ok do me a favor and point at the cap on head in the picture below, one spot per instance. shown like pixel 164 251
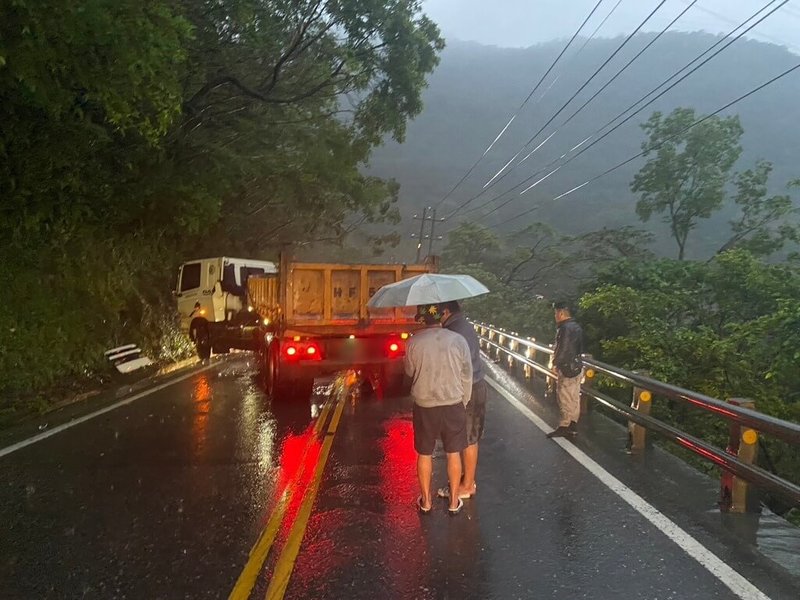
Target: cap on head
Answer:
pixel 428 314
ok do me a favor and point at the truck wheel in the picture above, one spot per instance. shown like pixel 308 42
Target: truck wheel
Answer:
pixel 202 342
pixel 274 383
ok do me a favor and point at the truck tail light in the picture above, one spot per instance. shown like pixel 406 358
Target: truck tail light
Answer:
pixel 395 348
pixel 303 351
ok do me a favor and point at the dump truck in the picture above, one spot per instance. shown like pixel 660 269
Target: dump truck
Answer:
pixel 303 319
pixel 315 321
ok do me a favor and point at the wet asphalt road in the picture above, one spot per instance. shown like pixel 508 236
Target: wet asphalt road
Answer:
pixel 165 497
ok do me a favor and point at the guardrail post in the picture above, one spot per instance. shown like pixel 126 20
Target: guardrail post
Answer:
pixel 512 345
pixel 530 354
pixel 642 403
pixel 588 381
pixel 736 495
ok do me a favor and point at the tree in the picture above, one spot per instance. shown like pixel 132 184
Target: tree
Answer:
pixel 135 134
pixel 687 169
pixel 764 225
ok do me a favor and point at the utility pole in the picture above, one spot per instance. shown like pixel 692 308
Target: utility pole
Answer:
pixel 421 231
pixel 428 216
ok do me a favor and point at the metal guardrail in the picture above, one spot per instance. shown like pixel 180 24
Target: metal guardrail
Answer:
pixel 737 459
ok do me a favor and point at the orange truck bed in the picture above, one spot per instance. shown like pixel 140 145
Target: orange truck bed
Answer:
pixel 330 298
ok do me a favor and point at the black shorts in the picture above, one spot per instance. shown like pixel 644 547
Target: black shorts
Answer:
pixel 476 412
pixel 447 423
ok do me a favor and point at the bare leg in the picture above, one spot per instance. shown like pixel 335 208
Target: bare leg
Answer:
pixel 424 471
pixel 454 476
pixel 470 457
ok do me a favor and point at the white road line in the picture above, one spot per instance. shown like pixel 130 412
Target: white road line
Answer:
pixel 730 578
pixel 58 429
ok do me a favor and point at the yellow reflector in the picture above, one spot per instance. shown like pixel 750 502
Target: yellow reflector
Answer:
pixel 403 336
pixel 750 436
pixel 590 373
pixel 297 338
pixel 645 396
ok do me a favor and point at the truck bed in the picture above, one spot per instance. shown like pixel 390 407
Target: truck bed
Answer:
pixel 331 298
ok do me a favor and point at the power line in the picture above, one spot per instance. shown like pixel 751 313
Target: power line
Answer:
pixel 657 146
pixel 502 173
pixel 635 104
pixel 521 106
pixel 624 43
pixel 671 86
pixel 597 93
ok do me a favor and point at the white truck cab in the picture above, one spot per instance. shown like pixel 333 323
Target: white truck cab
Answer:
pixel 211 297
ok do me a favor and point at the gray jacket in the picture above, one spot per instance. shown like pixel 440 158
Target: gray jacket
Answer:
pixel 439 365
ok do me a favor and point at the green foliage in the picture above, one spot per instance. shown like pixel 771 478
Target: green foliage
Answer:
pixel 687 169
pixel 764 225
pixel 137 134
pixel 728 328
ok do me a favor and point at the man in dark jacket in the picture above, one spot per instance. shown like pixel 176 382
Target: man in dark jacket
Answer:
pixel 567 367
pixel 455 320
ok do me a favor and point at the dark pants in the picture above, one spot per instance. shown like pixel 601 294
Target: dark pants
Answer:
pixel 476 412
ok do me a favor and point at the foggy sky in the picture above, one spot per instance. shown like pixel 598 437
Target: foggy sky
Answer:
pixel 522 23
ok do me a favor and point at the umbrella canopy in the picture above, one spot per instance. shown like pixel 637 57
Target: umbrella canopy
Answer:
pixel 430 288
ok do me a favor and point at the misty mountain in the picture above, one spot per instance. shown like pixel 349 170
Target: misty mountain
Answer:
pixel 476 89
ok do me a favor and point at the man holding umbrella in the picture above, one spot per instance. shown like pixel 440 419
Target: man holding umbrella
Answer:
pixel 439 364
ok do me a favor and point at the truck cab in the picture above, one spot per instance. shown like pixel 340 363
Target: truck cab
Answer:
pixel 211 298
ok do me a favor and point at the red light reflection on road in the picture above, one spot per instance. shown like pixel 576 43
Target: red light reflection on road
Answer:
pixel 407 565
pixel 201 399
pixel 298 460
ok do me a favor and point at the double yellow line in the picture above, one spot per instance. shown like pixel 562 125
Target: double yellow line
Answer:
pixel 285 563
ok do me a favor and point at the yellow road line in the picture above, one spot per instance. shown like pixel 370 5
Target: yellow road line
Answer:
pixel 285 564
pixel 260 551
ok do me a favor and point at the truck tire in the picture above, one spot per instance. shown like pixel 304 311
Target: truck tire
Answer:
pixel 202 342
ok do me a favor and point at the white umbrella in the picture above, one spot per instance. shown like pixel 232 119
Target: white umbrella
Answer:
pixel 430 288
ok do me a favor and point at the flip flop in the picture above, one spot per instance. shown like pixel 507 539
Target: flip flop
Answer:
pixel 421 508
pixel 454 511
pixel 444 492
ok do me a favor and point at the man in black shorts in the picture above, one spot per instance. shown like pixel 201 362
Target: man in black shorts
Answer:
pixel 438 362
pixel 454 320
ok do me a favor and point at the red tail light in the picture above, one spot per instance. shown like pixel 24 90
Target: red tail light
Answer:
pixel 395 348
pixel 303 351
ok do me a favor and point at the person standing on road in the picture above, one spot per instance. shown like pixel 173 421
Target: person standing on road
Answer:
pixel 438 363
pixel 567 367
pixel 455 320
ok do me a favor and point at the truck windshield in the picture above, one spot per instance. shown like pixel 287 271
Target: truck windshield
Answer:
pixel 190 277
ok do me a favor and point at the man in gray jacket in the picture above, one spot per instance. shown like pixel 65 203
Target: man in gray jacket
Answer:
pixel 567 367
pixel 438 363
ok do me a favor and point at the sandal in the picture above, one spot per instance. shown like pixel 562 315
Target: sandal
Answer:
pixel 454 511
pixel 421 508
pixel 444 492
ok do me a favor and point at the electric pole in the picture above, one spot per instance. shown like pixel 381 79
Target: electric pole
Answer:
pixel 428 216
